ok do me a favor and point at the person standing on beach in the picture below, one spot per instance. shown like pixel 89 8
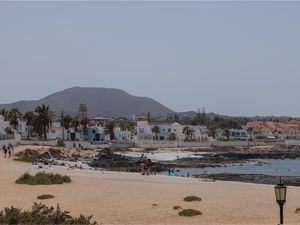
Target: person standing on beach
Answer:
pixel 9 152
pixel 143 168
pixel 11 147
pixel 4 150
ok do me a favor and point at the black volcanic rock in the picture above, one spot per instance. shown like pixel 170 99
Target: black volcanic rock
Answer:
pixel 104 101
pixel 117 162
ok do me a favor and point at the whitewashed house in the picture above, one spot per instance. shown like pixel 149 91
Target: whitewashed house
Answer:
pixel 3 125
pixel 144 131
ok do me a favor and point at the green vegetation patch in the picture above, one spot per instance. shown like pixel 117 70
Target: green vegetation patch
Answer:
pixel 42 178
pixel 42 214
pixel 60 143
pixel 177 207
pixel 45 196
pixel 192 199
pixel 189 212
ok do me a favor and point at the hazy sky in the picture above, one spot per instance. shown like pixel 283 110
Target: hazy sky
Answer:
pixel 238 58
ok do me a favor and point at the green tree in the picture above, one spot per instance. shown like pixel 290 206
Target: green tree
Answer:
pixel 13 116
pixel 75 123
pixel 172 137
pixel 109 129
pixel 44 117
pixel 156 131
pixel 65 123
pixel 126 126
pixel 250 131
pixel 8 130
pixel 192 132
pixel 227 134
pixel 28 117
pixel 85 123
pixel 187 132
pixel 212 131
pixel 4 113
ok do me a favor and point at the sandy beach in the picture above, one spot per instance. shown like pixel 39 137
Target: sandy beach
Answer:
pixel 128 198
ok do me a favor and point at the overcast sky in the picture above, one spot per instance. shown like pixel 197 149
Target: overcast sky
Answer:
pixel 237 58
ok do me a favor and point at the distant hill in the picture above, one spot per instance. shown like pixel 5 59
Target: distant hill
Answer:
pixel 106 102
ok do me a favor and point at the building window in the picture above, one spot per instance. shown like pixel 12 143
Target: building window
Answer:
pixel 169 130
pixel 141 130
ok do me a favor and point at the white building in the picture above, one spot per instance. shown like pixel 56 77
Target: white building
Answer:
pixel 3 124
pixel 144 131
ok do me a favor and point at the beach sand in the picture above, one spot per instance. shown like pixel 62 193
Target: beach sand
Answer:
pixel 127 198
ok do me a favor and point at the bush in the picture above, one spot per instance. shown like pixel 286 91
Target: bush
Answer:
pixel 177 207
pixel 60 143
pixel 42 178
pixel 41 214
pixel 189 212
pixel 45 196
pixel 9 130
pixel 297 210
pixel 192 199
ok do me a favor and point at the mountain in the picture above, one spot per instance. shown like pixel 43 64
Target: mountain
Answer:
pixel 107 102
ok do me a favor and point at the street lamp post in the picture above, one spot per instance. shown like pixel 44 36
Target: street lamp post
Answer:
pixel 280 193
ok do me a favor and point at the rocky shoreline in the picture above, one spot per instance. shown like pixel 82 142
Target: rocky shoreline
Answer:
pixel 108 160
pixel 252 178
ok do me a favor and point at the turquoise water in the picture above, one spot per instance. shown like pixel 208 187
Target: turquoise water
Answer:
pixel 275 167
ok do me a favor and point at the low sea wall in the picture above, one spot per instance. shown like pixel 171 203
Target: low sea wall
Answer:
pixel 177 144
pixel 157 144
pixel 6 142
pixel 68 144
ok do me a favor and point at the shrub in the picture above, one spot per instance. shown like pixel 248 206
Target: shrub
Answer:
pixel 177 207
pixel 189 212
pixel 42 178
pixel 192 199
pixel 9 130
pixel 41 214
pixel 45 196
pixel 60 143
pixel 297 210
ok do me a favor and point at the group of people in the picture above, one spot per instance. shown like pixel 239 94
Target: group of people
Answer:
pixel 8 150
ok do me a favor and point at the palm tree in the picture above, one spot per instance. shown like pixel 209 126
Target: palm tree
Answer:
pixel 126 126
pixel 192 131
pixel 75 123
pixel 212 131
pixel 66 123
pixel 13 116
pixel 109 129
pixel 250 131
pixel 4 113
pixel 187 132
pixel 227 133
pixel 44 116
pixel 28 117
pixel 156 130
pixel 85 123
